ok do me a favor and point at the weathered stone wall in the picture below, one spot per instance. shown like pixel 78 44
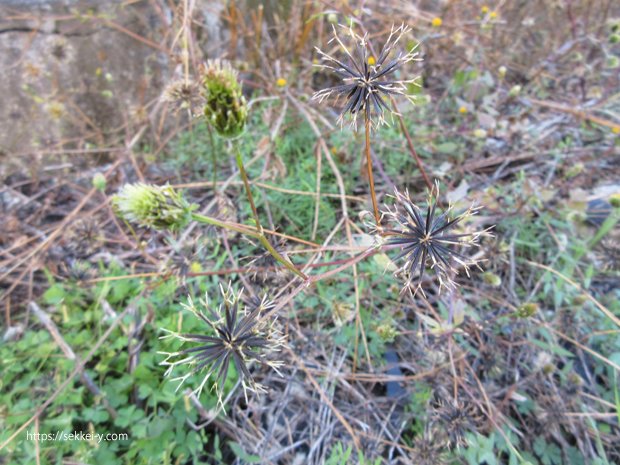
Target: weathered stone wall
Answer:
pixel 75 71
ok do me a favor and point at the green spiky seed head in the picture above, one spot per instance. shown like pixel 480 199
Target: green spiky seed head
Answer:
pixel 387 332
pixel 492 279
pixel 99 182
pixel 157 207
pixel 225 106
pixel 527 310
pixel 614 200
pixel 580 299
pixel 612 62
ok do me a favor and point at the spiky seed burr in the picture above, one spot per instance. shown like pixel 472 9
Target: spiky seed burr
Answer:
pixel 367 82
pixel 236 333
pixel 429 239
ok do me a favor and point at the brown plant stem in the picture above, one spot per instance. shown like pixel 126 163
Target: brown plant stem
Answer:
pixel 412 149
pixel 371 179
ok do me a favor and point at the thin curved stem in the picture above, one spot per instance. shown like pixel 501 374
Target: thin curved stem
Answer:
pixel 213 156
pixel 412 149
pixel 221 224
pixel 248 190
pixel 260 233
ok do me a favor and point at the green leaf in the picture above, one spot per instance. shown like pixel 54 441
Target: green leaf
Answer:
pixel 243 455
pixel 447 147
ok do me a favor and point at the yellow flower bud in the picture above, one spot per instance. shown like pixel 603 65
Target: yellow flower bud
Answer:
pixel 195 267
pixel 436 22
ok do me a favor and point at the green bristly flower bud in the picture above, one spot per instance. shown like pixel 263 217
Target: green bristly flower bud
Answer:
pixel 527 310
pixel 99 182
pixel 492 279
pixel 225 107
pixel 157 207
pixel 387 332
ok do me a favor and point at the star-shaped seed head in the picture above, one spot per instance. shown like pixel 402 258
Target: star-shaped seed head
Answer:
pixel 429 238
pixel 235 333
pixel 368 83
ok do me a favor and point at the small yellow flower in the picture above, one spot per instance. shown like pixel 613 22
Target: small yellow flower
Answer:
pixel 371 60
pixel 281 82
pixel 484 9
pixel 463 110
pixel 493 15
pixel 436 22
pixel 616 129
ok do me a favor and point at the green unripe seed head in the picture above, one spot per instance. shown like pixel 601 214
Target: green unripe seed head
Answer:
pixel 157 207
pixel 99 182
pixel 225 106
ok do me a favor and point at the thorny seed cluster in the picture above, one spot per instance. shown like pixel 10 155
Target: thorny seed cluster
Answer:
pixel 237 334
pixel 367 82
pixel 429 239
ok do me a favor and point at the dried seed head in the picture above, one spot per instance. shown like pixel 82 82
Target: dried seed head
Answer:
pixel 367 82
pixel 225 106
pixel 428 449
pixel 429 239
pixel 457 419
pixel 183 95
pixel 60 49
pixel 237 333
pixel 264 268
pixel 157 207
pixel 83 238
pixel 79 270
